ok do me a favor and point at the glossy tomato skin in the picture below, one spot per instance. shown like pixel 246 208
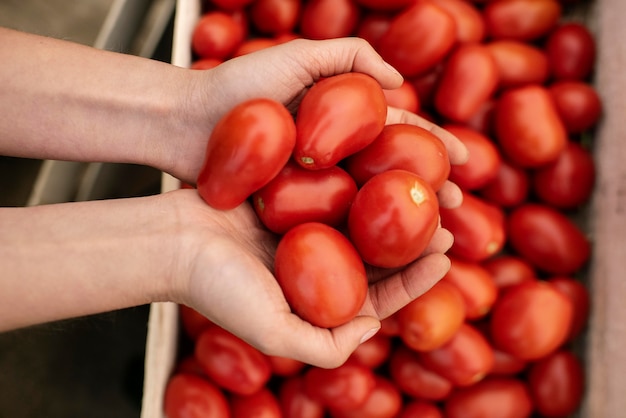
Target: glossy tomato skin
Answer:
pixel 475 284
pixel 469 79
pixel 432 319
pixel 548 239
pixel 580 297
pixel 508 270
pixel 275 16
pixel 470 26
pixel 384 401
pixel 230 362
pixel 510 186
pixel 404 97
pixel 519 63
pixel 523 20
pixel 402 146
pixel 294 401
pixel 337 117
pixel 327 19
pixel 190 396
pixel 478 228
pixel 528 127
pixel 568 182
pixel 216 35
pixel 578 104
pixel 393 218
pixel 247 148
pixel 531 320
pixel 491 398
pixel 423 24
pixel 262 403
pixel 297 195
pixel 321 274
pixel 557 384
pixel 285 366
pixel 571 50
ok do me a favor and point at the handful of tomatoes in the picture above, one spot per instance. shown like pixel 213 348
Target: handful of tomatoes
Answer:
pixel 512 79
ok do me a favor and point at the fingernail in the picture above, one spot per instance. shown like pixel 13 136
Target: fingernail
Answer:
pixel 369 334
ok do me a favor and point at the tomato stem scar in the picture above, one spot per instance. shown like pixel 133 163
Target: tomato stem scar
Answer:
pixel 307 160
pixel 260 204
pixel 417 194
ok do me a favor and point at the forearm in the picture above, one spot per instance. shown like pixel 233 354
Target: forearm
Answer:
pixel 74 259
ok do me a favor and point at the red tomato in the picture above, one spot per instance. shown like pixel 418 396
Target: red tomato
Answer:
pixel 484 159
pixel 478 228
pixel 385 401
pixel 190 365
pixel 568 182
pixel 426 85
pixel 528 126
pixel 192 321
pixel 247 148
pixel 430 320
pixel 482 120
pixel 205 63
pixel 508 270
pixel 469 79
pixel 420 409
pixel 402 146
pixel 372 26
pixel 506 364
pixel 230 362
pixel 384 4
pixel 294 401
pixel 412 378
pixel 523 20
pixel 464 360
pixel 275 16
pixel 190 396
pixel 216 35
pixel 490 398
pixel 548 239
pixel 519 63
pixel 343 388
pixel 254 44
pixel 404 97
pixel 389 326
pixel 557 384
pixel 262 404
pixel 581 300
pixel 578 104
pixel 373 352
pixel 285 366
pixel 510 186
pixel 297 195
pixel 321 274
pixel 470 26
pixel 571 50
pixel 326 19
pixel 393 218
pixel 475 285
pixel 337 117
pixel 424 24
pixel 531 320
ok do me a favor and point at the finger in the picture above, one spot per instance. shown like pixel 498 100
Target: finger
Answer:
pixel 440 243
pixel 450 195
pixel 457 152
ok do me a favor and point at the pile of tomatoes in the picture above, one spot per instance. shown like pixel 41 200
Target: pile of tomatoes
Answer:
pixel 496 336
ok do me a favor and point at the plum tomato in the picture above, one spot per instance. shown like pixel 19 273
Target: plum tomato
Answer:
pixel 475 284
pixel 519 63
pixel 327 19
pixel 216 35
pixel 577 103
pixel 402 146
pixel 506 364
pixel 337 117
pixel 297 195
pixel 531 320
pixel 430 320
pixel 470 26
pixel 262 403
pixel 373 352
pixel 191 396
pixel 422 23
pixel 285 366
pixel 247 148
pixel 420 408
pixel 295 402
pixel 547 238
pixel 509 188
pixel 571 50
pixel 275 17
pixel 404 97
pixel 192 321
pixel 384 401
pixel 372 26
pixel 508 270
pixel 230 362
pixel 522 20
pixel 580 297
pixel 321 274
pixel 393 218
pixel 528 127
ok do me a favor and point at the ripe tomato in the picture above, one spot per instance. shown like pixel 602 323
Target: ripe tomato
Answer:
pixel 478 228
pixel 297 195
pixel 337 117
pixel 426 85
pixel 373 352
pixel 393 218
pixel 464 360
pixel 581 300
pixel 577 103
pixel 568 182
pixel 192 321
pixel 205 64
pixel 470 26
pixel 321 274
pixel 571 50
pixel 431 319
pixel 557 384
pixel 484 159
pixel 343 388
pixel 275 16
pixel 470 77
pixel 490 398
pixel 412 378
pixel 508 270
pixel 295 403
pixel 519 63
pixel 191 396
pixel 384 401
pixel 404 97
pixel 528 126
pixel 386 5
pixel 402 146
pixel 422 409
pixel 531 320
pixel 523 20
pixel 326 19
pixel 424 24
pixel 254 44
pixel 247 148
pixel 230 362
pixel 510 186
pixel 475 284
pixel 216 35
pixel 285 366
pixel 372 26
pixel 262 403
pixel 506 364
pixel 548 239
